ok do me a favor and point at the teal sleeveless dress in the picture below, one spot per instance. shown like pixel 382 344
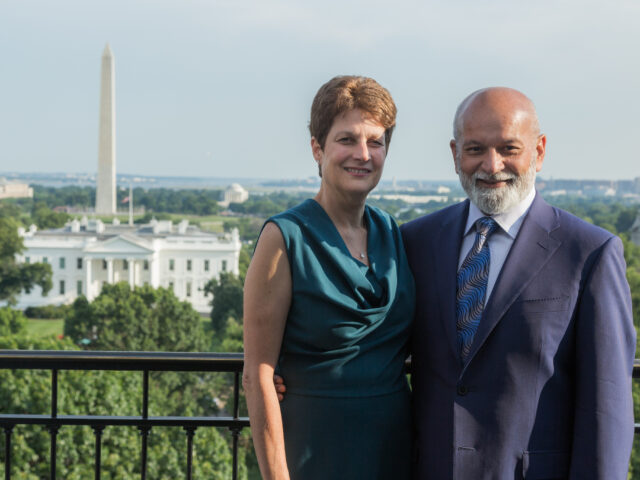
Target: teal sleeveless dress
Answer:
pixel 346 413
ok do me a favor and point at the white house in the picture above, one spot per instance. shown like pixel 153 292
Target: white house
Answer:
pixel 86 254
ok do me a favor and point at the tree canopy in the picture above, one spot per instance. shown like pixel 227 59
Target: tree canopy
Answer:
pixel 143 318
pixel 15 276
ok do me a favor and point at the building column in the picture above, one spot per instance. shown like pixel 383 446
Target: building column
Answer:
pixel 154 268
pixel 137 273
pixel 132 277
pixel 109 270
pixel 87 278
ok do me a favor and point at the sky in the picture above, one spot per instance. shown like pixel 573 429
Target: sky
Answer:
pixel 223 88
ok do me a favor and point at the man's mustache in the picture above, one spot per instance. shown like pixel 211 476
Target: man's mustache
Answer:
pixel 496 177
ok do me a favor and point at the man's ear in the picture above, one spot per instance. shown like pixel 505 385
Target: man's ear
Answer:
pixel 454 152
pixel 541 148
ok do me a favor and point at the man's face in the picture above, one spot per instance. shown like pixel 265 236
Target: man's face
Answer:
pixel 498 153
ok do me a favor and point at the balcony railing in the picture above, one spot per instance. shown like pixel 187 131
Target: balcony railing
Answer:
pixel 143 362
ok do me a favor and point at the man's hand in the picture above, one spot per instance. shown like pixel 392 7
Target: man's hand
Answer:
pixel 281 388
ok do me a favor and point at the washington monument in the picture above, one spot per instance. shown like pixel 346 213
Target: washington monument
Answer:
pixel 106 180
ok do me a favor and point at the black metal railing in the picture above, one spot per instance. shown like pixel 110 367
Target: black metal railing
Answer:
pixel 143 362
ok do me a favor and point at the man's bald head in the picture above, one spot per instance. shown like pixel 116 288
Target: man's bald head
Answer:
pixel 496 99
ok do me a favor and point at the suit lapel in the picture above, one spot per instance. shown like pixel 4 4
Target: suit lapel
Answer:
pixel 447 252
pixel 531 250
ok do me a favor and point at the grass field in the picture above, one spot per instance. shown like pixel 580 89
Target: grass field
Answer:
pixel 40 328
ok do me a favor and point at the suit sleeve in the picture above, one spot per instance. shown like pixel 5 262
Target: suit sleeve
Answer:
pixel 605 350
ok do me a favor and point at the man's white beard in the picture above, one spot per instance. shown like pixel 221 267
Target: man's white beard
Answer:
pixel 498 200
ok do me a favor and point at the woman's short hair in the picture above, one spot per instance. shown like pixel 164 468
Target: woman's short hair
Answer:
pixel 348 92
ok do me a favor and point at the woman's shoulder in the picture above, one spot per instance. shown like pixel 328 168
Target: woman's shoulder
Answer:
pixel 299 215
pixel 295 219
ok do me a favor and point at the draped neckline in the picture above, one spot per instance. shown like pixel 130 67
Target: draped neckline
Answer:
pixel 340 241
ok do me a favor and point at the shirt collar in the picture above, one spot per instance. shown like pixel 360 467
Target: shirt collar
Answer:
pixel 509 221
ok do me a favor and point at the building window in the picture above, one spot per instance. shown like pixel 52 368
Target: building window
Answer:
pixel 61 287
pixel 62 263
pixel 188 265
pixel 172 264
pixel 104 264
pixel 125 264
pixel 206 265
pixel 45 260
pixel 27 260
pixel 79 263
pixel 224 265
pixel 171 286
pixel 188 289
pixel 146 265
pixel 79 287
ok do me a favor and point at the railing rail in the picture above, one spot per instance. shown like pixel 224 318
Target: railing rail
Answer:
pixel 143 362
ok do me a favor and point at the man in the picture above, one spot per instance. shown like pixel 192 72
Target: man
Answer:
pixel 523 343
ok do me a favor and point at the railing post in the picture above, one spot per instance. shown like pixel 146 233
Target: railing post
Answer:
pixel 53 431
pixel 190 433
pixel 97 430
pixel 144 433
pixel 144 430
pixel 54 393
pixel 235 431
pixel 7 451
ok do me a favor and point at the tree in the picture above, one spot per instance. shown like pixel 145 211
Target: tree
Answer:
pixel 14 276
pixel 227 294
pixel 12 322
pixel 44 217
pixel 140 319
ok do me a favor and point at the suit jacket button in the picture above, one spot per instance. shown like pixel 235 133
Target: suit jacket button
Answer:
pixel 462 390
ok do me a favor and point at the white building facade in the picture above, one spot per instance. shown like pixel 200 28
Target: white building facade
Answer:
pixel 14 189
pixel 84 255
pixel 235 194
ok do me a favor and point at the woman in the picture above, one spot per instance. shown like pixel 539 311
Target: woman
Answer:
pixel 328 304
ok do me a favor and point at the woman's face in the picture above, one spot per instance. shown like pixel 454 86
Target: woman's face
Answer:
pixel 353 154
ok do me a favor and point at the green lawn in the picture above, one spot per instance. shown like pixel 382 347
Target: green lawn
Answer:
pixel 43 327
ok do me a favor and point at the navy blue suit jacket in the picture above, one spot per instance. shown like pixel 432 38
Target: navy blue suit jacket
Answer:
pixel 545 392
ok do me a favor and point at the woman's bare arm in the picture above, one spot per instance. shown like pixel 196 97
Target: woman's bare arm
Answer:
pixel 267 297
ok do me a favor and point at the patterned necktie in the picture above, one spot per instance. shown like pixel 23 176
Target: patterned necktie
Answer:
pixel 471 285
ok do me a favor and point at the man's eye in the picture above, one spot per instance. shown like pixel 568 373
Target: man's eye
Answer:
pixel 511 149
pixel 473 150
pixel 377 143
pixel 344 140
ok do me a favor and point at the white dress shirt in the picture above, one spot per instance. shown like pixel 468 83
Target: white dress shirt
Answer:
pixel 501 239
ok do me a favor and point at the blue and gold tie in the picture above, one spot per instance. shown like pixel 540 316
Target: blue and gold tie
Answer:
pixel 471 285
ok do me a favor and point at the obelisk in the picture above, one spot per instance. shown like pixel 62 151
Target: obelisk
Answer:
pixel 106 180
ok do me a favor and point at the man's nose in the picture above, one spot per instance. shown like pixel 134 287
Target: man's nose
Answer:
pixel 492 163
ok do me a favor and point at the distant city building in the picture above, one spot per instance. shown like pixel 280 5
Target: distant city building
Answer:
pixel 14 189
pixel 86 254
pixel 235 194
pixel 106 178
pixel 634 231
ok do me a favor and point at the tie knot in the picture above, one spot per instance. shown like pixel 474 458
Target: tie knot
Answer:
pixel 486 226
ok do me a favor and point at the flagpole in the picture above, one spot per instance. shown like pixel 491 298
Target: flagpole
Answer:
pixel 130 205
